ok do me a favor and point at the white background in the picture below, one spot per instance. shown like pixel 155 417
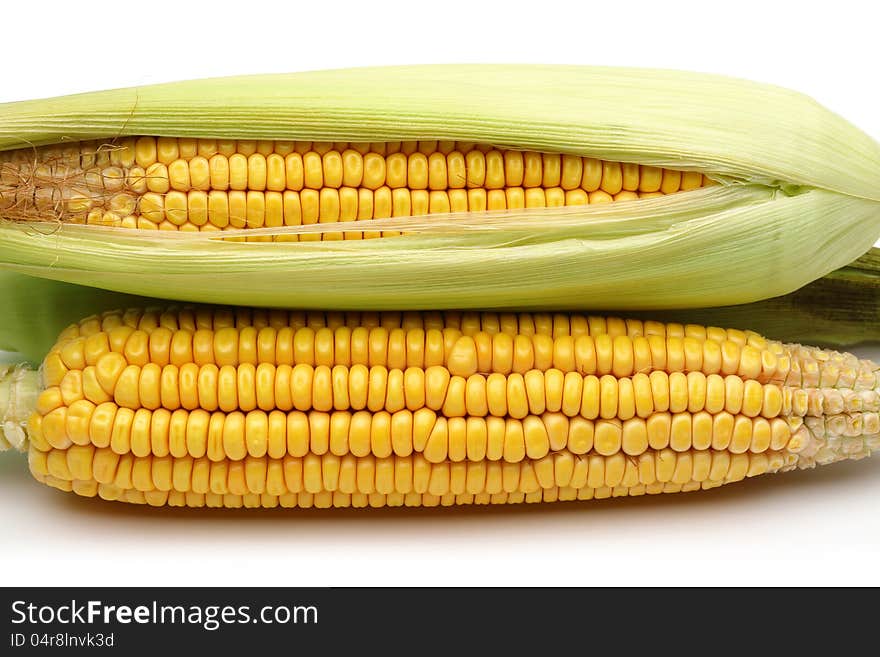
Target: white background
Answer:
pixel 817 527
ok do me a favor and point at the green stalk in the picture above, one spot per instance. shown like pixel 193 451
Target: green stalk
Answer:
pixel 838 310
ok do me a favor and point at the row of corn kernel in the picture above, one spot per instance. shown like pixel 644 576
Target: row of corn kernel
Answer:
pixel 337 499
pixel 399 349
pixel 836 448
pixel 146 150
pixel 847 425
pixel 268 165
pixel 819 368
pixel 398 474
pixel 304 387
pixel 469 323
pixel 199 210
pixel 152 168
pixel 237 435
pixel 818 402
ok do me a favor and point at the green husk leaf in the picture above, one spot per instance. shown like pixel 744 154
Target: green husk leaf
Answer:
pixel 36 310
pixel 839 310
pixel 726 245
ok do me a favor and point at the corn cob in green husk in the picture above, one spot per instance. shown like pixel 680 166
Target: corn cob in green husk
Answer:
pixel 469 187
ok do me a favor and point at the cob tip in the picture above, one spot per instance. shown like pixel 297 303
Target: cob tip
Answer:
pixel 19 386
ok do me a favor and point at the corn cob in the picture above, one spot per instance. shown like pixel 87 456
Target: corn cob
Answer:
pixel 475 183
pixel 239 407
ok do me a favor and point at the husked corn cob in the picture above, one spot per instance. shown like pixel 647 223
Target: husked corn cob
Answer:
pixel 208 184
pixel 220 407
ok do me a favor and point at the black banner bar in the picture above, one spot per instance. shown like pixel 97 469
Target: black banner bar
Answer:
pixel 417 621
